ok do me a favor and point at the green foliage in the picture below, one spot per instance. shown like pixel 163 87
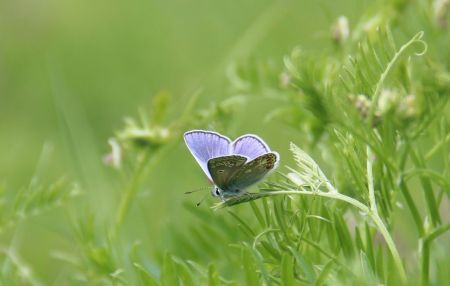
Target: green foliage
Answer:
pixel 361 197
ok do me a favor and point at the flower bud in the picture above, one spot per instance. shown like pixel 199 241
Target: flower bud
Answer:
pixel 441 8
pixel 340 30
pixel 285 80
pixel 387 101
pixel 362 104
pixel 114 158
pixel 407 107
pixel 152 136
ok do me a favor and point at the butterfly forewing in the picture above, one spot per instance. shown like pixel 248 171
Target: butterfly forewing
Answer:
pixel 205 145
pixel 253 172
pixel 223 168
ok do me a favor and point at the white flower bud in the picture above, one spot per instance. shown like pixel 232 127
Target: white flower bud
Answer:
pixel 362 104
pixel 441 8
pixel 114 158
pixel 388 100
pixel 341 30
pixel 407 106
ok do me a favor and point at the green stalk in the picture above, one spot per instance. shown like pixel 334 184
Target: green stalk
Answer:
pixel 427 187
pixel 133 187
pixel 148 161
pixel 372 200
pixel 433 175
pixel 331 195
pixel 412 207
pixel 407 195
pixel 425 251
pixel 391 245
pixel 378 221
pixel 437 147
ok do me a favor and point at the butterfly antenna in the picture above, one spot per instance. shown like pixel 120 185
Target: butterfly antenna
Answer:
pixel 201 201
pixel 197 190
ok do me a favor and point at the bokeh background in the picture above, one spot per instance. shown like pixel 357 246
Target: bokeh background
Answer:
pixel 70 71
pixel 103 59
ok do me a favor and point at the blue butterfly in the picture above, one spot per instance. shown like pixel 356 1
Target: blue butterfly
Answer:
pixel 231 166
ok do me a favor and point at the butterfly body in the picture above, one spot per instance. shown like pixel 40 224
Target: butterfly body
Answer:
pixel 231 166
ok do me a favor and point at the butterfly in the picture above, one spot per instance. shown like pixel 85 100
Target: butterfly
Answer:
pixel 232 166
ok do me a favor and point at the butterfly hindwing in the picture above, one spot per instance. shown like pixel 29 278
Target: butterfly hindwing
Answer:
pixel 223 168
pixel 253 172
pixel 250 146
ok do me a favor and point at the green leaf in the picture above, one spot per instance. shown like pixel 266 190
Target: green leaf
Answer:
pixel 381 266
pixel 344 235
pixel 169 275
pixel 260 263
pixel 258 214
pixel 145 277
pixel 213 276
pixel 305 265
pixel 266 211
pixel 326 270
pixel 369 247
pixel 271 250
pixel 160 103
pixel 184 273
pixel 427 187
pixel 251 275
pixel 279 216
pixel 358 240
pixel 367 269
pixel 287 270
pixel 243 224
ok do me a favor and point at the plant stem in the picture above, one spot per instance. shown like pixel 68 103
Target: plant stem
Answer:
pixel 437 147
pixel 372 200
pixel 148 161
pixel 430 199
pixel 378 221
pixel 412 207
pixel 425 251
pixel 130 192
pixel 391 245
pixel 433 175
pixel 332 195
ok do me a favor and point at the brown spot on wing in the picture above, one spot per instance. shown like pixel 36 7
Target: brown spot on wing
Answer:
pixel 270 161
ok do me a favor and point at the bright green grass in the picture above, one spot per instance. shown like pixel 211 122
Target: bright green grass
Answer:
pixel 361 196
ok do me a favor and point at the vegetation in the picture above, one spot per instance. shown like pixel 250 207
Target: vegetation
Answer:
pixel 361 196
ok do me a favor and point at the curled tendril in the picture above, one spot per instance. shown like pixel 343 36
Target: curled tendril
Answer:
pixel 418 39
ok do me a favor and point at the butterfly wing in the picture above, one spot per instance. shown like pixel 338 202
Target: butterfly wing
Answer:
pixel 254 171
pixel 205 145
pixel 250 146
pixel 223 168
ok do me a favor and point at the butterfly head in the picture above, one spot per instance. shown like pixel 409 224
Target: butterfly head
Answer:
pixel 216 192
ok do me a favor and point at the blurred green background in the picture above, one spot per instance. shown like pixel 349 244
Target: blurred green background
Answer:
pixel 105 58
pixel 70 71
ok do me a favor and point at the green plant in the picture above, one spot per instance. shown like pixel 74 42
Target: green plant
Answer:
pixel 361 196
